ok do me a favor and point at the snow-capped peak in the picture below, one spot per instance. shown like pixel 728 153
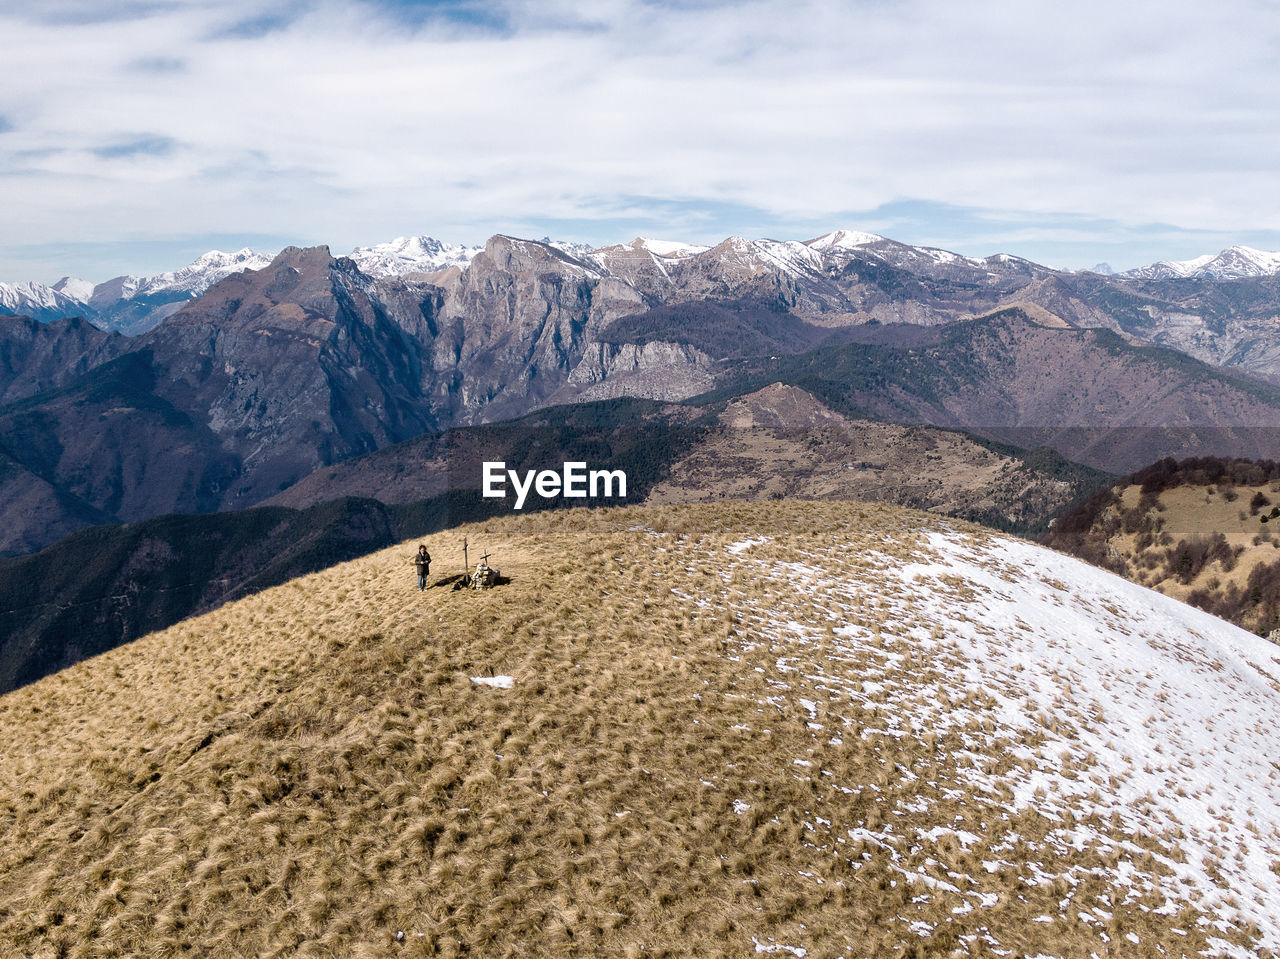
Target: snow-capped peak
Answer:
pixel 412 254
pixel 1240 261
pixel 75 288
pixel 35 299
pixel 1233 263
pixel 197 276
pixel 671 249
pixel 842 240
pixel 1169 268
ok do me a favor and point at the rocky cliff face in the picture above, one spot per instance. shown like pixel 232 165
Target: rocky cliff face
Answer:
pixel 1231 322
pixel 515 323
pixel 294 366
pixel 35 356
pixel 655 370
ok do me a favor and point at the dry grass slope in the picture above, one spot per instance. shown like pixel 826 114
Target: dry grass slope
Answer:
pixel 1209 542
pixel 312 772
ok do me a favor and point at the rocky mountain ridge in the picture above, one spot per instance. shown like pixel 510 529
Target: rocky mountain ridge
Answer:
pixel 1233 263
pixel 1220 308
pixel 275 373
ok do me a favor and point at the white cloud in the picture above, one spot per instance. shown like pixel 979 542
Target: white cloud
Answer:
pixel 347 123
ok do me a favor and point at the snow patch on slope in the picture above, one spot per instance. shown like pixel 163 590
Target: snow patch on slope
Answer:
pixel 1141 726
pixel 788 256
pixel 1180 706
pixel 497 682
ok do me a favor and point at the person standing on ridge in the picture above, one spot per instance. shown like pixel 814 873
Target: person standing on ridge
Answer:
pixel 423 562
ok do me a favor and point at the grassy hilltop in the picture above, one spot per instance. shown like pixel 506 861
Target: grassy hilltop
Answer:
pixel 845 729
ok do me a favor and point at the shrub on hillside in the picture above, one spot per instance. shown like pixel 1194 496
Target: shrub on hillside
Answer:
pixel 1185 561
pixel 1169 473
pixel 1256 606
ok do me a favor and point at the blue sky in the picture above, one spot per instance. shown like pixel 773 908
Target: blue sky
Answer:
pixel 136 135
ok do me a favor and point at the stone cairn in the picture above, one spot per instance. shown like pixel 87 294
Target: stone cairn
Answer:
pixel 484 576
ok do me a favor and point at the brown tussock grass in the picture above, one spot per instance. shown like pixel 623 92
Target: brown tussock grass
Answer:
pixel 311 771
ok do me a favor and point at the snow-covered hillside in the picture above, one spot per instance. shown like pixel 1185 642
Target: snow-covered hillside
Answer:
pixel 1138 726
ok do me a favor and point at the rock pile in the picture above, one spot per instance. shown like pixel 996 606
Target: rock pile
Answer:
pixel 484 576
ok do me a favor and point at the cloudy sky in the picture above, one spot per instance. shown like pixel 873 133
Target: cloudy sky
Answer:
pixel 138 133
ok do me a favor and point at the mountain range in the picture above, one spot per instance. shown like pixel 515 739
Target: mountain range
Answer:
pixel 271 375
pixel 127 304
pixel 1196 316
pixel 133 305
pixel 1233 263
